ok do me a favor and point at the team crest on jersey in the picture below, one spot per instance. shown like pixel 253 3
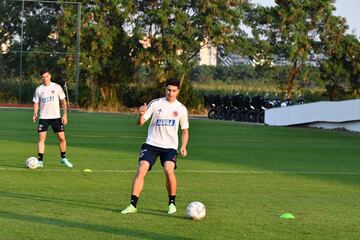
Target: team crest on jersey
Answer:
pixel 165 122
pixel 175 114
pixel 52 91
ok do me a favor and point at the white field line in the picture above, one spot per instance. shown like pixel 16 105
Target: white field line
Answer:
pixel 186 171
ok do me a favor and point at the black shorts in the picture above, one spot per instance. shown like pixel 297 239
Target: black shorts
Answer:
pixel 56 125
pixel 150 153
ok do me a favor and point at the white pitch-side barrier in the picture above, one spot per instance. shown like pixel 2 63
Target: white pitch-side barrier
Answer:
pixel 329 115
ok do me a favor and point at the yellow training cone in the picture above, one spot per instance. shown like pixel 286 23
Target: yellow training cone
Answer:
pixel 287 215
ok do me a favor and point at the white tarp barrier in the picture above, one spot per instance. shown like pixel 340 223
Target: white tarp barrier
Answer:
pixel 329 112
pixel 351 126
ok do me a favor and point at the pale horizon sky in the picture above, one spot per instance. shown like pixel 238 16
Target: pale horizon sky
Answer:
pixel 349 9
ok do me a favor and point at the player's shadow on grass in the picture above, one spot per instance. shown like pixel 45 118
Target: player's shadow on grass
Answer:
pixel 61 223
pixel 162 213
pixel 53 200
pixel 16 165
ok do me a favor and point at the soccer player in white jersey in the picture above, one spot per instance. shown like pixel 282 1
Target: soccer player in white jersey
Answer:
pixel 162 140
pixel 47 97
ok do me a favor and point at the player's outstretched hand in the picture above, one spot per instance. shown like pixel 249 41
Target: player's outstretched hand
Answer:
pixel 143 109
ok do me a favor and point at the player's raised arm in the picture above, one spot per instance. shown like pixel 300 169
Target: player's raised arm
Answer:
pixel 142 111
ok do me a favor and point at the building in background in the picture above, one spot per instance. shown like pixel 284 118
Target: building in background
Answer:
pixel 208 55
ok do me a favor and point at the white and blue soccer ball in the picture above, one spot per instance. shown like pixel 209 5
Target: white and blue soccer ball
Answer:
pixel 31 162
pixel 196 210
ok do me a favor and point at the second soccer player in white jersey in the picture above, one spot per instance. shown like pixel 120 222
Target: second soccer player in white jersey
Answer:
pixel 166 114
pixel 47 98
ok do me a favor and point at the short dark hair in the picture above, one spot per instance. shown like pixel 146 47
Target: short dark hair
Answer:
pixel 43 71
pixel 173 82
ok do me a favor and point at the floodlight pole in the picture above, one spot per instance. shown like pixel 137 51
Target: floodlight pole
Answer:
pixel 21 49
pixel 67 95
pixel 77 55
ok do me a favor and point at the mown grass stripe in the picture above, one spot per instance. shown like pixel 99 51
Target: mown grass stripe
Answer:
pixel 187 171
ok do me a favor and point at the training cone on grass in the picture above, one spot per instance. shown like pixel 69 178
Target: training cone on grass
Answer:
pixel 87 170
pixel 287 215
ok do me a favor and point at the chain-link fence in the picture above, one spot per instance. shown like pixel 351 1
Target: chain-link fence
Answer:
pixel 33 37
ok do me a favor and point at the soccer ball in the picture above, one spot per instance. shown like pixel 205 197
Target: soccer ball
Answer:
pixel 196 210
pixel 32 162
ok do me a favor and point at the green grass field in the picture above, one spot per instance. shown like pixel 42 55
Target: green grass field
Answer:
pixel 246 175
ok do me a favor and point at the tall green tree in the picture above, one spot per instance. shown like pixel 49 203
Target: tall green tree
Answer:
pixel 25 30
pixel 105 52
pixel 340 68
pixel 289 30
pixel 27 27
pixel 172 33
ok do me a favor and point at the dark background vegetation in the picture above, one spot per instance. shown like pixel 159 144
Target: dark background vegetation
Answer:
pixel 129 48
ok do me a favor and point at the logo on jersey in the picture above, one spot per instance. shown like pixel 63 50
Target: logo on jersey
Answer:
pixel 165 122
pixel 52 91
pixel 159 111
pixel 47 99
pixel 142 153
pixel 175 114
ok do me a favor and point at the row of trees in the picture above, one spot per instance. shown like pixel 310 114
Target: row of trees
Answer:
pixel 128 47
pixel 296 29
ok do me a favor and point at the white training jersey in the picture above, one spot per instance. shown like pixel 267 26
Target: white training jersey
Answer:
pixel 164 125
pixel 49 98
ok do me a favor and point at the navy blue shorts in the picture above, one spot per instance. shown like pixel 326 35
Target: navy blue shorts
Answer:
pixel 150 153
pixel 56 125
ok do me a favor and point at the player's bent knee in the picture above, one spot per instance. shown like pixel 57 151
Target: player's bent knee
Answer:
pixel 169 171
pixel 143 166
pixel 61 138
pixel 169 166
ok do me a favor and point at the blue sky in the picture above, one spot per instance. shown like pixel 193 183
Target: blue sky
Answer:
pixel 345 8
